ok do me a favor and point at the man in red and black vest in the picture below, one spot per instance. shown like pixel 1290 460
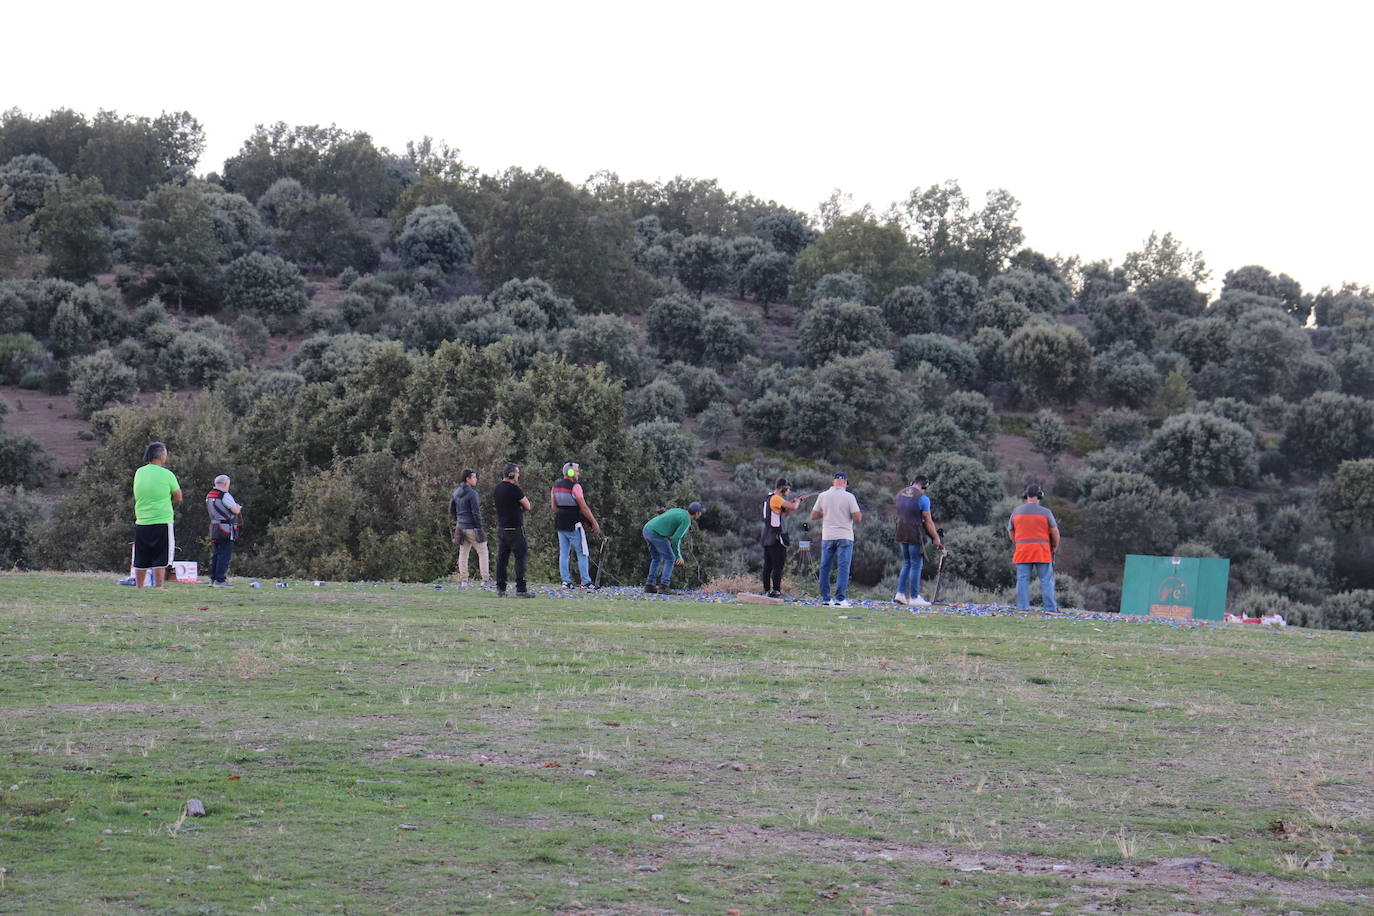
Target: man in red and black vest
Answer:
pixel 224 529
pixel 1035 533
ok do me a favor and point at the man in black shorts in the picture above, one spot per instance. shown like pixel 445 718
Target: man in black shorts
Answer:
pixel 511 506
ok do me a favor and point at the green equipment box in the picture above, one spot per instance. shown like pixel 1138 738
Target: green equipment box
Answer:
pixel 1185 588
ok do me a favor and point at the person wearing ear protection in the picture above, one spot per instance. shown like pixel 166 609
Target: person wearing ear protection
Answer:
pixel 570 510
pixel 1034 534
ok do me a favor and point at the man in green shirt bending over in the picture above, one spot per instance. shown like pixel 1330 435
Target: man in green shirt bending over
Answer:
pixel 664 534
pixel 155 490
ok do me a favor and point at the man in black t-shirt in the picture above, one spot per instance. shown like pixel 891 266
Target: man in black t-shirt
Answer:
pixel 511 506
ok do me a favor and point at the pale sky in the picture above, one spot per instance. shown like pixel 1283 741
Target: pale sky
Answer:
pixel 1243 128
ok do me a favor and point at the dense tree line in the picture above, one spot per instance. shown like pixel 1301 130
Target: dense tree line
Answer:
pixel 438 317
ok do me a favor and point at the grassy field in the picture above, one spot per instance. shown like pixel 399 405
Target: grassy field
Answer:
pixel 411 750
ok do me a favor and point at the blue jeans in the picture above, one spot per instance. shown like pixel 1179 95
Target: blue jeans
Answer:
pixel 660 557
pixel 572 541
pixel 838 552
pixel 909 579
pixel 1045 571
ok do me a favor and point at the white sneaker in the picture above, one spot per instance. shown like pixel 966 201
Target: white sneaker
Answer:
pixel 918 601
pixel 899 598
pixel 844 603
pixel 829 602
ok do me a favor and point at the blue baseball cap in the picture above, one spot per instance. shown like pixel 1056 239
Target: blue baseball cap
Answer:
pixel 841 475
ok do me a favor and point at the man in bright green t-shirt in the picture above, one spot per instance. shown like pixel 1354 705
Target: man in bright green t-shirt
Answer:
pixel 155 491
pixel 663 534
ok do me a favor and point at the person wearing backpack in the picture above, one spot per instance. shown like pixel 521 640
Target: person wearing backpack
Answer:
pixel 914 524
pixel 776 507
pixel 225 515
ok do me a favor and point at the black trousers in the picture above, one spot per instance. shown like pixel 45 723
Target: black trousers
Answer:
pixel 774 559
pixel 511 541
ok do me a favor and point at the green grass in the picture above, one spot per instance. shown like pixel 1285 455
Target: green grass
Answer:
pixel 402 749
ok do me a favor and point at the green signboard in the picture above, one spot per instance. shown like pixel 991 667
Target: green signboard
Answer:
pixel 1185 588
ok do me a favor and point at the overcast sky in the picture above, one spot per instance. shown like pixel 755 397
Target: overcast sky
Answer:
pixel 1243 128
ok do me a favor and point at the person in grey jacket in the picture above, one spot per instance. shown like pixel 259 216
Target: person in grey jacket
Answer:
pixel 465 508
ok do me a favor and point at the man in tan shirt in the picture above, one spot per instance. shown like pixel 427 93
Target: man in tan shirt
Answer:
pixel 838 511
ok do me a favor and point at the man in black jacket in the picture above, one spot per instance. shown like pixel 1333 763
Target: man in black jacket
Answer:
pixel 465 508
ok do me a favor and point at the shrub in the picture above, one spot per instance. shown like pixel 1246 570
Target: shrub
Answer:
pixel 1120 427
pixel 702 262
pixel 658 400
pixel 674 324
pixel 22 461
pixel 726 337
pixel 1174 294
pixel 1121 513
pixel 1327 428
pixel 869 384
pixel 717 421
pixel 28 177
pixel 908 310
pixel 1204 341
pixel 100 380
pixel 991 346
pixel 325 232
pixel 766 277
pixel 435 237
pixel 972 413
pixel 672 449
pixel 1050 363
pixel 17 352
pixel 612 341
pixel 818 416
pixel 1125 377
pixel 980 555
pixel 957 360
pixel 283 196
pixel 1347 498
pixel 701 385
pixel 962 488
pixel 1196 451
pixel 241 389
pixel 952 295
pixel 21 514
pixel 845 286
pixel 264 284
pixel 1114 459
pixel 1123 318
pixel 767 416
pixel 1001 312
pixel 1050 436
pixel 1036 291
pixel 1352 610
pixel 832 327
pixel 928 435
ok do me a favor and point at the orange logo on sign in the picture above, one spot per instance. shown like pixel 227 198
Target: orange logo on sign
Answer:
pixel 1172 590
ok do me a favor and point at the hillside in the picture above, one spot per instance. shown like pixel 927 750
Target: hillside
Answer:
pixel 343 326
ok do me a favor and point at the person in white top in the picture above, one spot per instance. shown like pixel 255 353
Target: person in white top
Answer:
pixel 838 511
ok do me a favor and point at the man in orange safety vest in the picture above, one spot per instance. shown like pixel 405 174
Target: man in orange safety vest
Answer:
pixel 1035 534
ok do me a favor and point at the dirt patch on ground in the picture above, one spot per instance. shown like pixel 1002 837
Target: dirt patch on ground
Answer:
pixel 84 709
pixel 1094 885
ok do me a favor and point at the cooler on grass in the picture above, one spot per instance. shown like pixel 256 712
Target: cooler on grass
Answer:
pixel 1184 588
